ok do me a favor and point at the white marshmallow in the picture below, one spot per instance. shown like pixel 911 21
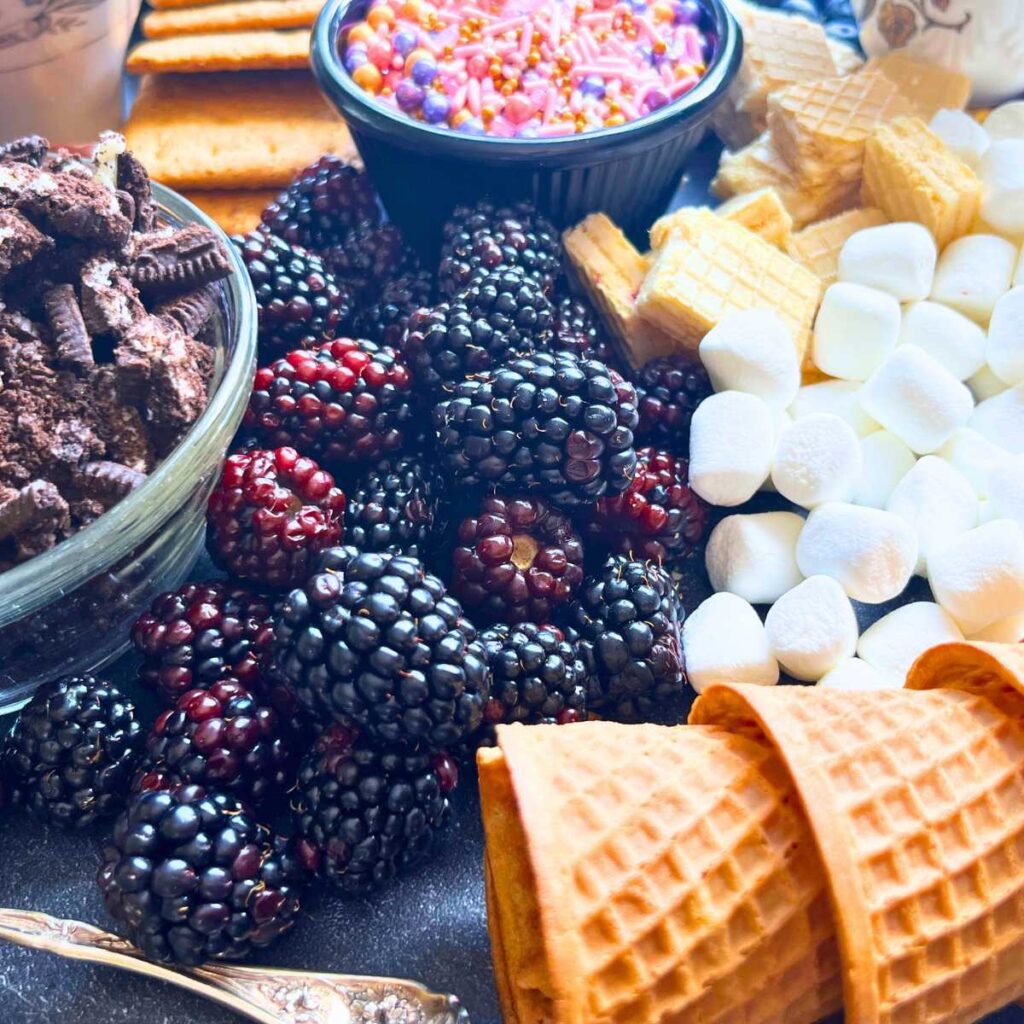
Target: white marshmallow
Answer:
pixel 1001 171
pixel 914 397
pixel 754 556
pixel 1001 419
pixel 1018 274
pixel 724 642
pixel 974 455
pixel 1006 631
pixel 985 384
pixel 841 397
pixel 1005 350
pixel 782 420
pixel 973 273
pixel 979 577
pixel 732 439
pixel 817 459
pixel 961 134
pixel 856 329
pixel 1006 489
pixel 1006 121
pixel 895 258
pixel 896 640
pixel 854 674
pixel 753 351
pixel 872 553
pixel 938 502
pixel 985 512
pixel 812 628
pixel 953 341
pixel 885 461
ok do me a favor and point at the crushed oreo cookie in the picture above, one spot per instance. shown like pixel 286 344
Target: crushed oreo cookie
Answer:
pixel 178 260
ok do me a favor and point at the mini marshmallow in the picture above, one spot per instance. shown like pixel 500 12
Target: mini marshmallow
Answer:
pixel 895 258
pixel 841 397
pixel 979 577
pixel 854 674
pixel 974 455
pixel 885 461
pixel 1018 274
pixel 782 420
pixel 812 628
pixel 724 642
pixel 817 459
pixel 1006 121
pixel 856 329
pixel 1005 350
pixel 1006 489
pixel 732 440
pixel 961 134
pixel 1001 419
pixel 1006 631
pixel 985 384
pixel 753 351
pixel 973 273
pixel 954 342
pixel 895 641
pixel 754 556
pixel 1001 171
pixel 914 397
pixel 938 502
pixel 871 552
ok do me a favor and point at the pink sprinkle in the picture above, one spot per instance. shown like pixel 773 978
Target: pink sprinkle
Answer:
pixel 526 40
pixel 555 25
pixel 498 28
pixel 459 98
pixel 468 50
pixel 683 85
pixel 556 130
pixel 551 104
pixel 473 96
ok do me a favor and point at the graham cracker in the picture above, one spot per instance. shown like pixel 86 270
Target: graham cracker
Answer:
pixel 231 17
pixel 233 131
pixel 236 212
pixel 222 51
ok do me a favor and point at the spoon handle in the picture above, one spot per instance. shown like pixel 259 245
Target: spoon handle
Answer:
pixel 268 995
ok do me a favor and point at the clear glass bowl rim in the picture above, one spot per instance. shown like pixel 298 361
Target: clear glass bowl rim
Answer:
pixel 104 543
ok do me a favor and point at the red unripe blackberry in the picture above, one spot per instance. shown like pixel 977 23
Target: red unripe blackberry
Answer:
pixel 347 401
pixel 271 514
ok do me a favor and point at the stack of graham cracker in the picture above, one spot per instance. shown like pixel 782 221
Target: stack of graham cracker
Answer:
pixel 228 111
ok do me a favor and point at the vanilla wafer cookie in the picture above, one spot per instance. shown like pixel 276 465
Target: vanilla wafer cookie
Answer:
pixel 818 245
pixel 762 212
pixel 222 51
pixel 238 16
pixel 928 87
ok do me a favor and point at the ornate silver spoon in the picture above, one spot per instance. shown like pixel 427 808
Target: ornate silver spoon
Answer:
pixel 266 994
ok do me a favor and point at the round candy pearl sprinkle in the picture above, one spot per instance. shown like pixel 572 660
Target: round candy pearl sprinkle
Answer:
pixel 530 69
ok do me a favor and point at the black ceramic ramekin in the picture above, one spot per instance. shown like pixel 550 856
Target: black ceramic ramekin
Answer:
pixel 422 171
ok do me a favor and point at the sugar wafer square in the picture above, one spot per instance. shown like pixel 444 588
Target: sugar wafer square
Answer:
pixel 817 246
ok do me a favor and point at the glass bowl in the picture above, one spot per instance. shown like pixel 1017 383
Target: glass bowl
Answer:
pixel 69 610
pixel 422 171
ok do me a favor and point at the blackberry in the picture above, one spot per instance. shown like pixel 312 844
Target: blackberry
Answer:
pixel 362 814
pixel 670 389
pixel 347 401
pixel 224 738
pixel 371 254
pixel 385 320
pixel 479 239
pixel 201 634
pixel 628 620
pixel 301 305
pixel 499 314
pixel 551 422
pixel 72 752
pixel 190 876
pixel 392 508
pixel 271 513
pixel 378 642
pixel 537 676
pixel 576 330
pixel 657 517
pixel 322 205
pixel 517 559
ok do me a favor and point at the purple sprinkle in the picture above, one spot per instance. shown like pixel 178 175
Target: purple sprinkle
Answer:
pixel 355 59
pixel 593 85
pixel 409 95
pixel 404 42
pixel 435 107
pixel 424 71
pixel 655 98
pixel 472 126
pixel 688 12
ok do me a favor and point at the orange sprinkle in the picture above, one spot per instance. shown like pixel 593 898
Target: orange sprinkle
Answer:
pixel 361 33
pixel 367 77
pixel 614 121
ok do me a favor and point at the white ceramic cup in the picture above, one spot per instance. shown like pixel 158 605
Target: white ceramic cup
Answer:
pixel 982 38
pixel 61 66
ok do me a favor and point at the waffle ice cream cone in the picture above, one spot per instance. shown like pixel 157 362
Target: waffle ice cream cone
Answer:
pixel 818 246
pixel 916 800
pixel 646 874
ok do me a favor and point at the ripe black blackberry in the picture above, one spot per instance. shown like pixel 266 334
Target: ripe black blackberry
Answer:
pixel 322 205
pixel 371 254
pixel 385 320
pixel 392 508
pixel 377 641
pixel 225 739
pixel 301 304
pixel 628 618
pixel 670 389
pixel 479 239
pixel 500 313
pixel 576 330
pixel 72 752
pixel 363 814
pixel 346 401
pixel 537 675
pixel 549 421
pixel 190 876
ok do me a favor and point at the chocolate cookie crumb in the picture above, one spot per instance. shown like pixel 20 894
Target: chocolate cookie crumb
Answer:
pixel 36 506
pixel 31 149
pixel 133 179
pixel 107 482
pixel 179 261
pixel 110 302
pixel 72 341
pixel 191 311
pixel 20 241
